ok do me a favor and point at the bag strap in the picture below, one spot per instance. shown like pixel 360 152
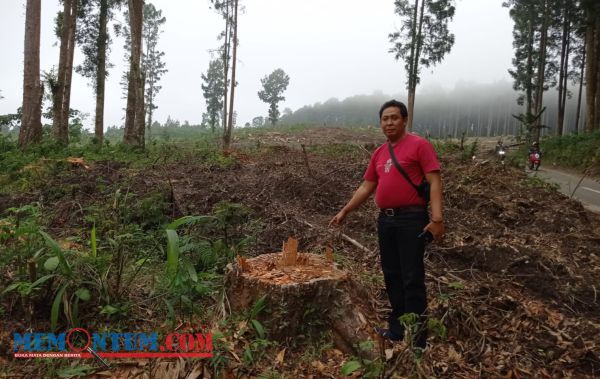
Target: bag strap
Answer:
pixel 400 168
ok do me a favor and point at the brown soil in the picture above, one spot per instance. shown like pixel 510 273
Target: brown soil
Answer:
pixel 515 281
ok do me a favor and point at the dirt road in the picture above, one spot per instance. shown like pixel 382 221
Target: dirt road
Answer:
pixel 588 191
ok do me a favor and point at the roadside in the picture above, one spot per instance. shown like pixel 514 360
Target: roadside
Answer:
pixel 586 190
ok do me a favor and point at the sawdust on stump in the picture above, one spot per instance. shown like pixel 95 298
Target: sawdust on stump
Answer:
pixel 305 293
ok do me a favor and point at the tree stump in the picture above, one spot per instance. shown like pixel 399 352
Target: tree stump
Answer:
pixel 305 293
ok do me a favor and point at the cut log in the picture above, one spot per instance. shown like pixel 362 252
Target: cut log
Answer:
pixel 305 294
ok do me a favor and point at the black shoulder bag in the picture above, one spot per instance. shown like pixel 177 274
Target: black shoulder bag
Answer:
pixel 422 189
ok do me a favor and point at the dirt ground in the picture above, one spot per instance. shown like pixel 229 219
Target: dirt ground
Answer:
pixel 515 281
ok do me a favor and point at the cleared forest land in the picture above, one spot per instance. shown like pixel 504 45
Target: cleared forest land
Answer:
pixel 514 283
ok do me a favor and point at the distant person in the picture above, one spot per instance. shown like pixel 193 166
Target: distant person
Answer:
pixel 499 147
pixel 535 149
pixel 403 217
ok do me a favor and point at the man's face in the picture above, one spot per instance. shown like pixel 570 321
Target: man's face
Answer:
pixel 393 124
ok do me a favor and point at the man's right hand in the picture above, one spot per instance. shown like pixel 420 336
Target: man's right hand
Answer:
pixel 338 218
pixel 362 193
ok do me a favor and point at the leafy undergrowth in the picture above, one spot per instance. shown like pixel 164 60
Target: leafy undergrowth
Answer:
pixel 575 151
pixel 514 283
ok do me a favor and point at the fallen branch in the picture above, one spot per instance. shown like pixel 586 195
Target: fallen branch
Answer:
pixel 344 237
pixel 355 243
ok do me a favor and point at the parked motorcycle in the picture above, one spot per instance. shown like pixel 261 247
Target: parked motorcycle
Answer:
pixel 534 160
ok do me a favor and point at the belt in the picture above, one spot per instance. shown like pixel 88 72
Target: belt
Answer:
pixel 391 212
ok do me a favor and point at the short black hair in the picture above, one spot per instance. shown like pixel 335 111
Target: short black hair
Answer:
pixel 396 104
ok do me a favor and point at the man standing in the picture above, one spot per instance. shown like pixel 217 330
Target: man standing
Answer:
pixel 403 217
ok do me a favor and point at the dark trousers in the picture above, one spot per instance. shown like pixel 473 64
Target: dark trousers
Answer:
pixel 403 268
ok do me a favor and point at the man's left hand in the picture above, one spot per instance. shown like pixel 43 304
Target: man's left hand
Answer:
pixel 437 229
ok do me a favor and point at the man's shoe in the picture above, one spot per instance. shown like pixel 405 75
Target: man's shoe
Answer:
pixel 388 334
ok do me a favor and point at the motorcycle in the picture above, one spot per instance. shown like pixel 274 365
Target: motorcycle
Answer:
pixel 502 155
pixel 534 160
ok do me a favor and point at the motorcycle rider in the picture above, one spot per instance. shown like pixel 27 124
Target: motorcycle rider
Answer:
pixel 499 147
pixel 500 151
pixel 535 148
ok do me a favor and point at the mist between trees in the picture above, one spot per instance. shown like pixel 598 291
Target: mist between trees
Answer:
pixel 478 109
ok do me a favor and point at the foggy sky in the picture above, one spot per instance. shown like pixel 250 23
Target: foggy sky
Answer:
pixel 333 48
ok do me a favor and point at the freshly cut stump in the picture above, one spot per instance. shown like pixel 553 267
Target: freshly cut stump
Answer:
pixel 305 293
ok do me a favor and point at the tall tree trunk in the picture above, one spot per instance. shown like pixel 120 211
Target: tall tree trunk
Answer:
pixel 564 69
pixel 227 131
pixel 62 96
pixel 59 94
pixel 577 117
pixel 66 103
pixel 226 61
pixel 563 105
pixel 31 121
pixel 411 79
pixel 132 135
pixel 596 123
pixel 590 72
pixel 150 108
pixel 140 111
pixel 149 103
pixel 101 72
pixel 541 73
pixel 529 89
pixel 415 66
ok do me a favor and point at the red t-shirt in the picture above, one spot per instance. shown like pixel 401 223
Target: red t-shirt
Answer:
pixel 416 156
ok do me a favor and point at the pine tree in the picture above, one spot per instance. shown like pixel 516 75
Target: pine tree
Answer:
pixel 273 87
pixel 213 92
pixel 228 9
pixel 534 71
pixel 423 39
pixel 94 39
pixel 65 29
pixel 152 63
pixel 231 120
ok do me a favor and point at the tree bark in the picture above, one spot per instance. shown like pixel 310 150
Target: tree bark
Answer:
pixel 62 67
pixel 595 125
pixel 226 61
pixel 228 129
pixel 301 298
pixel 132 136
pixel 62 96
pixel 66 103
pixel 140 112
pixel 529 89
pixel 101 72
pixel 150 110
pixel 564 69
pixel 31 121
pixel 577 117
pixel 150 102
pixel 590 72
